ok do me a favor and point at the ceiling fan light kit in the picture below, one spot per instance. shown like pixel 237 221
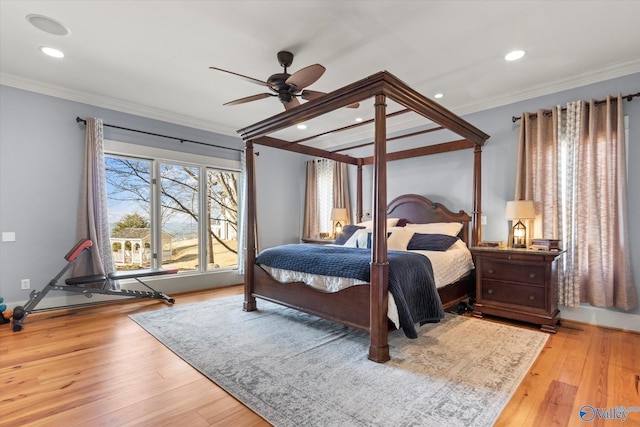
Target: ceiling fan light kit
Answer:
pixel 287 87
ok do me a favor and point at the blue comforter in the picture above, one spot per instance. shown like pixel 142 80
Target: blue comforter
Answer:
pixel 410 276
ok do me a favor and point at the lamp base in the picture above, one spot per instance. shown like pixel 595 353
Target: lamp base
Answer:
pixel 519 235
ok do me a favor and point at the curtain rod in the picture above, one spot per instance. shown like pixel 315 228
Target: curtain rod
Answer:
pixel 627 97
pixel 79 120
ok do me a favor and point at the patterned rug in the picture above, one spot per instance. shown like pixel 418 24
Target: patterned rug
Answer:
pixel 294 369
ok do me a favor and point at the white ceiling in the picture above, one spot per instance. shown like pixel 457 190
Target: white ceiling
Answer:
pixel 152 58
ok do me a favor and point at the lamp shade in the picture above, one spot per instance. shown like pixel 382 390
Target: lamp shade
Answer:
pixel 520 209
pixel 339 214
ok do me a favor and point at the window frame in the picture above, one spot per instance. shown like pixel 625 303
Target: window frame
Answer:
pixel 157 156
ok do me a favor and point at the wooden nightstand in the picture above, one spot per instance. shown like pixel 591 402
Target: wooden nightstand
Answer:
pixel 517 284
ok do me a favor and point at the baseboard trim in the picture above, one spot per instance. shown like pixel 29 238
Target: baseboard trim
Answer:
pixel 585 314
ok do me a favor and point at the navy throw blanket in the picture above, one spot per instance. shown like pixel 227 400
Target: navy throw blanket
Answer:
pixel 411 279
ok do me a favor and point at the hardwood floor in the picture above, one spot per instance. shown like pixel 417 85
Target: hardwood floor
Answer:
pixel 94 366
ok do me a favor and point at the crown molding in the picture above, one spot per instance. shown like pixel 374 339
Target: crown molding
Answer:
pixel 597 75
pixel 111 103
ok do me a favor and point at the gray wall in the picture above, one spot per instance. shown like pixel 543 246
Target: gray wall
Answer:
pixel 447 178
pixel 41 155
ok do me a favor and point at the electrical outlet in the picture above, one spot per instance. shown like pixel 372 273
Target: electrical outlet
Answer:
pixel 483 219
pixel 26 284
pixel 8 236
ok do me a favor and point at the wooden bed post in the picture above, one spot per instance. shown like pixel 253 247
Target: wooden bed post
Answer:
pixel 379 346
pixel 359 192
pixel 250 249
pixel 476 232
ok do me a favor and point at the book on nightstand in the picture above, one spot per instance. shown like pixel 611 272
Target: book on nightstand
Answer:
pixel 490 244
pixel 545 244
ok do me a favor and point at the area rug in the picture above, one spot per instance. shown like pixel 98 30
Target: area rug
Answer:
pixel 294 369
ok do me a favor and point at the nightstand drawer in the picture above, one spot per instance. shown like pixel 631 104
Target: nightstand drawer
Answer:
pixel 513 293
pixel 531 274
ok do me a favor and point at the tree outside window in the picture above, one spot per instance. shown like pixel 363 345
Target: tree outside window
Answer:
pixel 187 193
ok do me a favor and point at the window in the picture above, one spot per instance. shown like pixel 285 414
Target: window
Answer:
pixel 325 196
pixel 170 209
pixel 326 188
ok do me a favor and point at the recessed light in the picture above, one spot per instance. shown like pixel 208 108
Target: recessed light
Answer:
pixel 514 55
pixel 301 127
pixel 54 53
pixel 358 119
pixel 48 25
pixel 438 95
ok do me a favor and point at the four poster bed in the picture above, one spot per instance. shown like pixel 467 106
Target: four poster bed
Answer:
pixel 366 307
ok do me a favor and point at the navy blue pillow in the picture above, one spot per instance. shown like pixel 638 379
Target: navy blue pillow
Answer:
pixel 347 232
pixel 431 242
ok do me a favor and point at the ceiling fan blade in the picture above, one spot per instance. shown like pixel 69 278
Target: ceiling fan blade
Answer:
pixel 306 76
pixel 250 79
pixel 292 104
pixel 249 99
pixel 310 95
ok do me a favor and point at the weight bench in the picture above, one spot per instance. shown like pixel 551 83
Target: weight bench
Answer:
pixel 89 285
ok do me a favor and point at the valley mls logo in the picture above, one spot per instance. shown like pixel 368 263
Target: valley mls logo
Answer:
pixel 589 413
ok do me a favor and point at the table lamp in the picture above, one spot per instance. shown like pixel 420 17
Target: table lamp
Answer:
pixel 517 210
pixel 339 217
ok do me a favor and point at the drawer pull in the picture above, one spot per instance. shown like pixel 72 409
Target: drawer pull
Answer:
pixel 490 271
pixel 532 275
pixel 532 297
pixel 490 291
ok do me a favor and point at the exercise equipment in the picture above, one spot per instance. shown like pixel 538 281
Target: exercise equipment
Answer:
pixel 89 285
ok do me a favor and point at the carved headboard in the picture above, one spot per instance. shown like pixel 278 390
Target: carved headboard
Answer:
pixel 420 210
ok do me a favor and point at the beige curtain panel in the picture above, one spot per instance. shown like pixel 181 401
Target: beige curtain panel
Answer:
pixel 93 221
pixel 341 189
pixel 310 225
pixel 572 164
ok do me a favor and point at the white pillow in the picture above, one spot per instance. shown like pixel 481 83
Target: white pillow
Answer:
pixel 391 222
pixel 398 238
pixel 362 238
pixel 353 240
pixel 448 228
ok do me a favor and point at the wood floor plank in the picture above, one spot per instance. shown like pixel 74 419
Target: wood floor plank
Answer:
pixel 165 408
pixel 529 397
pixel 95 366
pixel 558 402
pixel 573 354
pixel 624 375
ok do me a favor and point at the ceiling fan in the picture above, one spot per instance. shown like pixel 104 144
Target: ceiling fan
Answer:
pixel 287 87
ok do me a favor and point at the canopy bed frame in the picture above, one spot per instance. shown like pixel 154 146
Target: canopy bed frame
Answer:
pixel 363 307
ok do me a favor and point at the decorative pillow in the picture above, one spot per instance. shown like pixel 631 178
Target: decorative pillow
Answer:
pixel 431 242
pixel 352 242
pixel 347 232
pixel 397 239
pixel 402 222
pixel 448 228
pixel 391 222
pixel 364 239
